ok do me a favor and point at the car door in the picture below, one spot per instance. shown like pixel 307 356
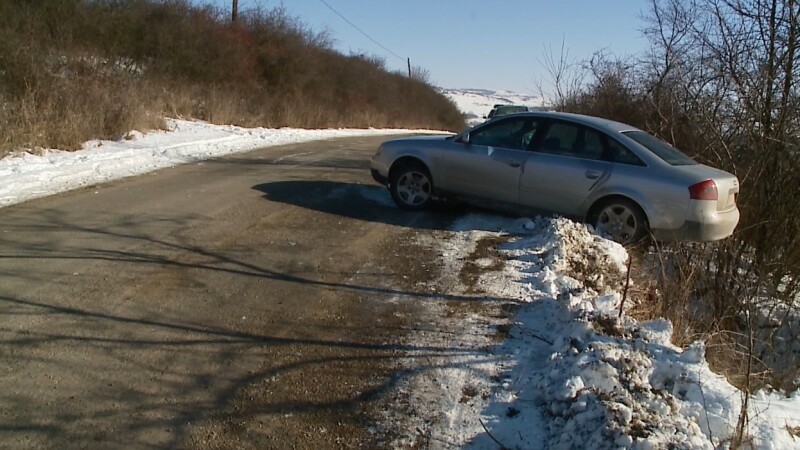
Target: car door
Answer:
pixel 487 162
pixel 567 164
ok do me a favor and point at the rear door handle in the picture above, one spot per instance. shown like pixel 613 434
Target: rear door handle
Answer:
pixel 514 164
pixel 592 175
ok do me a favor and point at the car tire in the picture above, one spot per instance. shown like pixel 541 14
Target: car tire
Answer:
pixel 411 186
pixel 621 220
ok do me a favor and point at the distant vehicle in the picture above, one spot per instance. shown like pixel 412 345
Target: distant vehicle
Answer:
pixel 503 110
pixel 623 181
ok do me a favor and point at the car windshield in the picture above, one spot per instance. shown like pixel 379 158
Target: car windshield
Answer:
pixel 668 153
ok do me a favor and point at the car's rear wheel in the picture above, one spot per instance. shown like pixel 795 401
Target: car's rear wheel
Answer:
pixel 621 220
pixel 411 186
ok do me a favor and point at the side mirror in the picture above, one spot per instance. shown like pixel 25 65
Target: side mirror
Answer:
pixel 465 138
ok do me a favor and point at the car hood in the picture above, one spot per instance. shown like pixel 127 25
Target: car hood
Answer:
pixel 415 142
pixel 422 138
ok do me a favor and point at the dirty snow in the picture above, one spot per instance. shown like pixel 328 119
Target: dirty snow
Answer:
pixel 571 373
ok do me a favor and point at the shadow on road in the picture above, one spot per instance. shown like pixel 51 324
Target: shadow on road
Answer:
pixel 180 361
pixel 371 203
pixel 132 406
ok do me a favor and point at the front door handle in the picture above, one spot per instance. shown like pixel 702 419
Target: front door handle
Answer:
pixel 514 164
pixel 592 175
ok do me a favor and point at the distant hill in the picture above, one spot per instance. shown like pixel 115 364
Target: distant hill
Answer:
pixel 475 104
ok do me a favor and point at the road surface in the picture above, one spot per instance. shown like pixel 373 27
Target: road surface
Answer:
pixel 255 301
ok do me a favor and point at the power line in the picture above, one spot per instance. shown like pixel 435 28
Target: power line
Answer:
pixel 362 31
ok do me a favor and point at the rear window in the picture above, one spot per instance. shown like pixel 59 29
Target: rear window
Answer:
pixel 660 148
pixel 512 109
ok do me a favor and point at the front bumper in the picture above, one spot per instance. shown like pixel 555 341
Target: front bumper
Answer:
pixel 376 175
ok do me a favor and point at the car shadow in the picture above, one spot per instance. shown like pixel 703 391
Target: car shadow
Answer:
pixel 359 201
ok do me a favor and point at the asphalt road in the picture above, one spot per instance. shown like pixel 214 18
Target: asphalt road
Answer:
pixel 255 301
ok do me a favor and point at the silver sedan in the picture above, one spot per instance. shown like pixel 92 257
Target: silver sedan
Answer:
pixel 622 180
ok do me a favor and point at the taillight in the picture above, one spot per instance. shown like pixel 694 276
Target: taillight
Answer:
pixel 704 190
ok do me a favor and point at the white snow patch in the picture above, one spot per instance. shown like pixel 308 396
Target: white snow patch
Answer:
pixel 476 104
pixel 574 375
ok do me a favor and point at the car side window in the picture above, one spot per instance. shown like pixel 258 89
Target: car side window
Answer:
pixel 515 133
pixel 620 154
pixel 572 140
pixel 592 145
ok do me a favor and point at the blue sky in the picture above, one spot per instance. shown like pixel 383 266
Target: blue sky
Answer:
pixel 490 44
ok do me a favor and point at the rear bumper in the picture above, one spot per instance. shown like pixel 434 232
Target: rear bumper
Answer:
pixel 714 228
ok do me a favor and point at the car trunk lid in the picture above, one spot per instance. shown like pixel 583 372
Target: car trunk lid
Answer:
pixel 727 184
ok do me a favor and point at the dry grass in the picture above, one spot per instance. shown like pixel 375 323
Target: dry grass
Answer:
pixel 64 114
pixel 75 70
pixel 673 282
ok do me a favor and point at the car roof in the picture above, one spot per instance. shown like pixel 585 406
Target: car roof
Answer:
pixel 596 122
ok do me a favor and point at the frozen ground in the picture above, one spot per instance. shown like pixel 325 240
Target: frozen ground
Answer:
pixel 571 374
pixel 566 374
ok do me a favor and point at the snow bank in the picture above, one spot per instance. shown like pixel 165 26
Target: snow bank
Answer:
pixel 573 375
pixel 26 176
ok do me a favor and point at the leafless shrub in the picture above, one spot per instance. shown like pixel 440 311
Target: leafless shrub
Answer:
pixel 420 74
pixel 719 81
pixel 565 76
pixel 723 85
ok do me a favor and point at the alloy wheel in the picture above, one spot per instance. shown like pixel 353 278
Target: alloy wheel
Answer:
pixel 413 188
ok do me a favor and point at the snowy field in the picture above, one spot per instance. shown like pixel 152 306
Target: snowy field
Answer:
pixel 569 374
pixel 476 104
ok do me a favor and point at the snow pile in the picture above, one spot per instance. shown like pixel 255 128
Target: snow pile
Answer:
pixel 577 376
pixel 26 176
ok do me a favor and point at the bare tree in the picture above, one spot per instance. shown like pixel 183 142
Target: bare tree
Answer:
pixel 724 73
pixel 564 76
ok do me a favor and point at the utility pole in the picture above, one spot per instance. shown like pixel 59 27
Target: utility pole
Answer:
pixel 409 67
pixel 235 11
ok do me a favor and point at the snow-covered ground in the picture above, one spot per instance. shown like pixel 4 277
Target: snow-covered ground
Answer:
pixel 476 104
pixel 569 373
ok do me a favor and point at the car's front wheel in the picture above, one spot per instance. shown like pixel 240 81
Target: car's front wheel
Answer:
pixel 621 220
pixel 411 186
